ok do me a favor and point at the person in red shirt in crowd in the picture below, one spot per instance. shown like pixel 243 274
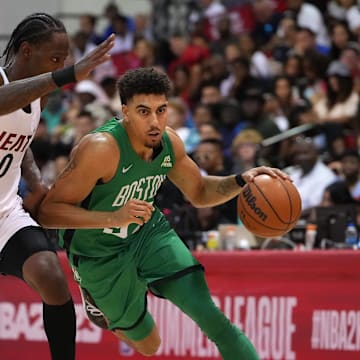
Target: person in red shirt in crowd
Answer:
pixel 186 52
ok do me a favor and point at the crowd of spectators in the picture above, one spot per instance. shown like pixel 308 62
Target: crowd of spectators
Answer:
pixel 242 72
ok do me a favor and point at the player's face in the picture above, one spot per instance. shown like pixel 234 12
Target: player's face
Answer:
pixel 146 117
pixel 50 55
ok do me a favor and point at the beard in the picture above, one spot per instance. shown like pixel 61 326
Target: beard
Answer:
pixel 153 144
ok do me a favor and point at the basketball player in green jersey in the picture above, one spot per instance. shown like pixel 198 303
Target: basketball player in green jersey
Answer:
pixel 119 245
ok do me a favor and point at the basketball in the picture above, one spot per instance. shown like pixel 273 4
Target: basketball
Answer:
pixel 269 207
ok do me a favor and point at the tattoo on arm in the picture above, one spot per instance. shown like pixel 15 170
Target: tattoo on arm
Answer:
pixel 227 186
pixel 20 93
pixel 69 167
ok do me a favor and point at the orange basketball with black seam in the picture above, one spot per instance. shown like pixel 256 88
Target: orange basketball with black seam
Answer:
pixel 269 207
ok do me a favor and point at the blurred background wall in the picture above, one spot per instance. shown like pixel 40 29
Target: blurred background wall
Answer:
pixel 13 11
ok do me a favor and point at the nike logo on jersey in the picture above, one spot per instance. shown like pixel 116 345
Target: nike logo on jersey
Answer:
pixel 126 169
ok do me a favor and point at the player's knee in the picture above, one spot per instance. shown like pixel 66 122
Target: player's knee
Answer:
pixel 43 267
pixel 150 345
pixel 43 272
pixel 149 348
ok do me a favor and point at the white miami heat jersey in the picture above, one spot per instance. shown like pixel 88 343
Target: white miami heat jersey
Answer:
pixel 17 130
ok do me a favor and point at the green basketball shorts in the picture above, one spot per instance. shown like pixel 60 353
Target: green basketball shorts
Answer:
pixel 118 283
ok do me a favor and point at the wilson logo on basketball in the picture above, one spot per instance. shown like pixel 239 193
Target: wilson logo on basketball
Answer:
pixel 251 201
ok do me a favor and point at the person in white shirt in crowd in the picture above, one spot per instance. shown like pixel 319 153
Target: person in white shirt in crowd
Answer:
pixel 309 16
pixel 337 9
pixel 309 174
pixel 81 46
pixel 341 102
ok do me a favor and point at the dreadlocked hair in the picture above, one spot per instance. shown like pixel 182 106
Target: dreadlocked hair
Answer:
pixel 36 28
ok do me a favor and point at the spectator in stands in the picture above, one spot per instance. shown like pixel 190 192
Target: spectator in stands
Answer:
pixel 310 175
pixel 176 119
pixel 210 158
pixel 253 113
pixel 186 52
pixel 124 38
pixel 266 22
pixel 283 40
pixel 287 99
pixel 212 11
pixel 53 111
pixel 346 10
pixel 201 117
pixel 210 94
pixel 239 79
pixel 309 16
pixel 144 50
pixel 81 46
pixel 259 64
pixel 91 97
pixel 202 114
pixel 246 150
pixel 232 51
pixel 87 24
pixel 230 122
pixel 85 122
pixel 337 9
pixel 111 13
pixel 350 56
pixel 143 26
pixel 305 40
pixel 350 167
pixel 214 68
pixel 340 36
pixel 353 19
pixel 108 85
pixel 293 68
pixel 312 85
pixel 340 105
pixel 182 84
pixel 336 194
pixel 209 130
pixel 225 36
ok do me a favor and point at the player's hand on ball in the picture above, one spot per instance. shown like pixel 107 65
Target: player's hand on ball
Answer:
pixel 249 175
pixel 134 211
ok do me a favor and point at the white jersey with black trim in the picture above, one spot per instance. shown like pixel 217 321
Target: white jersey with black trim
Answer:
pixel 17 130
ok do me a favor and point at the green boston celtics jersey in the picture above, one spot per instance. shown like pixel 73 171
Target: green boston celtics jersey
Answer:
pixel 134 179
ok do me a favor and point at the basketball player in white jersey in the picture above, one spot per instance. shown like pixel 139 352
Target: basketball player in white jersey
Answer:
pixel 38 47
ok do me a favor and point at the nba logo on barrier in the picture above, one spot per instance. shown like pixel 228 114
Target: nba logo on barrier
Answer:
pixel 125 349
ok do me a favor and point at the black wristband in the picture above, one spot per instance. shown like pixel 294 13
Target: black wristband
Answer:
pixel 240 180
pixel 64 76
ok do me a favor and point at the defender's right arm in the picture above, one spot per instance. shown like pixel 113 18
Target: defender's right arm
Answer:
pixel 20 93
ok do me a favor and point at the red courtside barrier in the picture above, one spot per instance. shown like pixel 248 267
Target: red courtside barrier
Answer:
pixel 293 305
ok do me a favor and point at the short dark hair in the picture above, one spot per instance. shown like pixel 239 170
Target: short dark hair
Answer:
pixel 35 29
pixel 143 81
pixel 213 141
pixel 354 153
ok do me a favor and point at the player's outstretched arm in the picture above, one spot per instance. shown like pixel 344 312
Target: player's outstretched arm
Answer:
pixel 20 93
pixel 204 191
